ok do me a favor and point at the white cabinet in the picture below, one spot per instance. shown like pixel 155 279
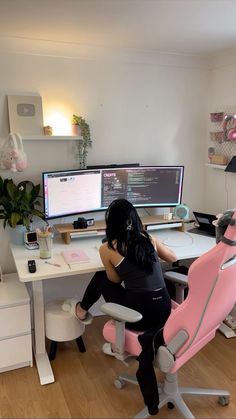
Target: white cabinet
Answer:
pixel 15 324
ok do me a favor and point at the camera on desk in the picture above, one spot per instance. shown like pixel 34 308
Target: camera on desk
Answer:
pixel 80 223
pixel 83 223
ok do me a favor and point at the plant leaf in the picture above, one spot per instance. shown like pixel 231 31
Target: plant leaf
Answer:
pixel 14 219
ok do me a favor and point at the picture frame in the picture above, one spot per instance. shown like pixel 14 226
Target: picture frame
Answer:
pixel 25 114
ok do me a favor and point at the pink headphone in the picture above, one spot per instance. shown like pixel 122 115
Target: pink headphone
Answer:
pixel 230 134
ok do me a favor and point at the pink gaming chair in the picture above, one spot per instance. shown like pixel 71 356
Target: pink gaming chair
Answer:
pixel 190 326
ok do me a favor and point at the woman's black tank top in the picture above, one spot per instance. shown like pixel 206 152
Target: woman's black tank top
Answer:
pixel 138 279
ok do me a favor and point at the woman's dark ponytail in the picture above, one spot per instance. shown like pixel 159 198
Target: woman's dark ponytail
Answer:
pixel 140 250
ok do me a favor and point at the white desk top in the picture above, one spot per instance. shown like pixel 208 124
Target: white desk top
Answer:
pixel 44 271
pixel 184 244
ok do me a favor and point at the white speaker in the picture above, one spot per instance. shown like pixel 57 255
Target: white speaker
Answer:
pixel 181 211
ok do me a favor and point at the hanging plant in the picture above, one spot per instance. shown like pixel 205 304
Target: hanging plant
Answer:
pixel 87 142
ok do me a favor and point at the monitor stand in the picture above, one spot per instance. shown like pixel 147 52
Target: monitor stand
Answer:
pixel 156 222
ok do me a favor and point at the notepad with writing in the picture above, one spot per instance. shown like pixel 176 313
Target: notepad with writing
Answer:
pixel 75 256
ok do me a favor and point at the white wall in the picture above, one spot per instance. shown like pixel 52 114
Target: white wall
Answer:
pixel 220 192
pixel 147 109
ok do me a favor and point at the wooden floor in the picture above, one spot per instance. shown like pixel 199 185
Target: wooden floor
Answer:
pixel 84 383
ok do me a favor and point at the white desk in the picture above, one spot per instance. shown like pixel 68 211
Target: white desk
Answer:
pixel 185 245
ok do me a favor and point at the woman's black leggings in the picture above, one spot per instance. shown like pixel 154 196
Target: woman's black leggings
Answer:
pixel 155 306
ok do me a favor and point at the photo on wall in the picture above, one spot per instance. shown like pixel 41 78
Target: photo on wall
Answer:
pixel 25 114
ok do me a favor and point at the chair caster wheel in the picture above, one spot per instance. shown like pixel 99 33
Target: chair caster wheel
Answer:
pixel 119 384
pixel 170 405
pixel 223 400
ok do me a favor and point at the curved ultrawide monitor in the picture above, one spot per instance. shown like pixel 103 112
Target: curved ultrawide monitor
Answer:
pixel 72 192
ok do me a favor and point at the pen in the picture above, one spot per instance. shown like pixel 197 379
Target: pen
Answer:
pixel 52 263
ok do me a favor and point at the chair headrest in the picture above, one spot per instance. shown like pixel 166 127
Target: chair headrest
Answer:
pixel 222 223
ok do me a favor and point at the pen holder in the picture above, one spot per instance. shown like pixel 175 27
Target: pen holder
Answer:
pixel 45 244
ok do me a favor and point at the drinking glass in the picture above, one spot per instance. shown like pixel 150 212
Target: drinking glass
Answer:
pixel 45 244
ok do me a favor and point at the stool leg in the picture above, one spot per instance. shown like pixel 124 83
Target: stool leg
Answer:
pixel 53 350
pixel 80 344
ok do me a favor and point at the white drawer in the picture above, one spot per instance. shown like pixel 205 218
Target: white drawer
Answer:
pixel 15 351
pixel 14 320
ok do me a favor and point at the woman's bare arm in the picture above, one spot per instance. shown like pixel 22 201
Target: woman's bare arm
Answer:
pixel 164 252
pixel 108 257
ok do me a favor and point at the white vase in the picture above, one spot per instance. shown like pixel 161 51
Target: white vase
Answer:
pixel 17 234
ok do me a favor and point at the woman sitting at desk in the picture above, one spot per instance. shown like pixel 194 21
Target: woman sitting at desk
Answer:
pixel 130 255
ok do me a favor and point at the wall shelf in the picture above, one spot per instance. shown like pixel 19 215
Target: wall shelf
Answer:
pixel 216 166
pixel 51 138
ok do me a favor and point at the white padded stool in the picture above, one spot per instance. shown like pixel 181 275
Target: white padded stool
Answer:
pixel 62 326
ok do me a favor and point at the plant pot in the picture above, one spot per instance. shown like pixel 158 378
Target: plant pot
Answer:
pixel 17 234
pixel 76 130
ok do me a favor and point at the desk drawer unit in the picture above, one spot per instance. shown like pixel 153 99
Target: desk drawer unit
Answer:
pixel 15 353
pixel 14 321
pixel 15 324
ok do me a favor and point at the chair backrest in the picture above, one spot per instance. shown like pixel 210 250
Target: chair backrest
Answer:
pixel 211 296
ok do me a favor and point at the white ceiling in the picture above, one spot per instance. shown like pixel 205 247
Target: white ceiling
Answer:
pixel 179 26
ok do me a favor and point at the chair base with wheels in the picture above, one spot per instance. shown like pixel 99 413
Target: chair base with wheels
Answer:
pixel 170 394
pixel 62 326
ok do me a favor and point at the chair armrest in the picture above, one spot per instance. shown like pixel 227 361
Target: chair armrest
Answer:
pixel 176 277
pixel 165 357
pixel 121 313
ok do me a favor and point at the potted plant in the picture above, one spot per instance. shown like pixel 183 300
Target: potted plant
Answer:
pixel 18 203
pixel 80 122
